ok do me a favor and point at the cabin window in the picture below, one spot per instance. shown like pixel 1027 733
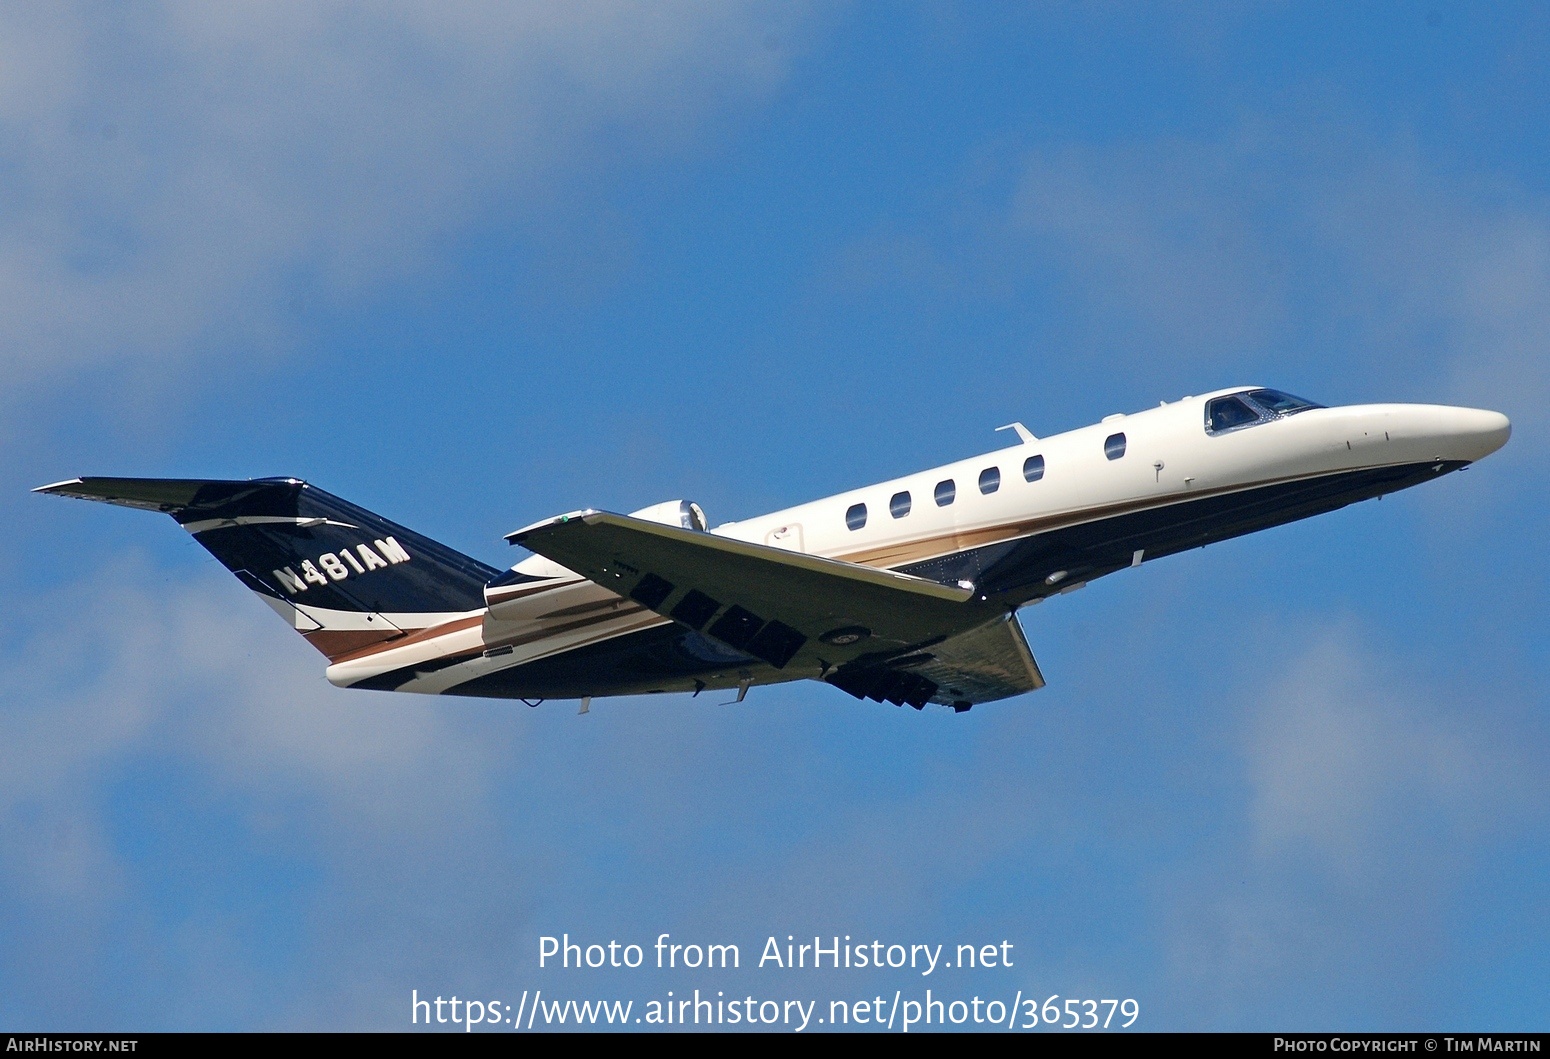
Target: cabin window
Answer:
pixel 855 516
pixel 1033 468
pixel 1229 413
pixel 1114 446
pixel 945 491
pixel 899 506
pixel 990 480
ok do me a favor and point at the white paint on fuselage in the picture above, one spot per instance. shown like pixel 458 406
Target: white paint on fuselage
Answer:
pixel 1078 477
pixel 1079 482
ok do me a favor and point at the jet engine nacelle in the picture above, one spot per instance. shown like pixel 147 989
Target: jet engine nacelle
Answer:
pixel 674 513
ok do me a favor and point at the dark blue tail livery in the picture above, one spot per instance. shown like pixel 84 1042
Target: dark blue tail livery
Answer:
pixel 333 567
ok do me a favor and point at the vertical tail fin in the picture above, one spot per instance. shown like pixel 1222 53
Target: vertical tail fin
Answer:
pixel 344 578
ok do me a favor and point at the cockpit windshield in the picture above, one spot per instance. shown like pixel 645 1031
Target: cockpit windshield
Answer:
pixel 1280 403
pixel 1225 413
pixel 1252 408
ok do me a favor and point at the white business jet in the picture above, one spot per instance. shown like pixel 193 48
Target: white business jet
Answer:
pixel 903 592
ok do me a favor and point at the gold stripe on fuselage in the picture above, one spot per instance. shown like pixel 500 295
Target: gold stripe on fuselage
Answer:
pixel 903 553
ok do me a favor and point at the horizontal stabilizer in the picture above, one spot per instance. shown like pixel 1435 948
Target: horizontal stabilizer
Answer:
pixel 154 494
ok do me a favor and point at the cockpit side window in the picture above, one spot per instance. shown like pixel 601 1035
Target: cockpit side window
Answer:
pixel 1279 403
pixel 1229 413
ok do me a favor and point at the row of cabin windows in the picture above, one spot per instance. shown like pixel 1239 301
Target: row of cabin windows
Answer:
pixel 990 480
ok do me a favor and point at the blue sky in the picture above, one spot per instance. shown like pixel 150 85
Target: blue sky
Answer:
pixel 470 268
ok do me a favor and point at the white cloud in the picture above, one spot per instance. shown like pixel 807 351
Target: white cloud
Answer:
pixel 175 172
pixel 1298 240
pixel 196 673
pixel 1373 799
pixel 436 835
pixel 1161 233
pixel 1345 756
pixel 376 800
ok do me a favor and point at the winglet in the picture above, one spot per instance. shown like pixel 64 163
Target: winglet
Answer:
pixel 1022 432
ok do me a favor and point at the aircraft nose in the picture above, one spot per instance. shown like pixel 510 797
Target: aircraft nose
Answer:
pixel 1467 433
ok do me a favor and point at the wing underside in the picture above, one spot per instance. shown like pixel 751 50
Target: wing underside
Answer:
pixel 873 633
pixel 983 665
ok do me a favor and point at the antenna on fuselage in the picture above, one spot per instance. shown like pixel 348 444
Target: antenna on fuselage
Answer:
pixel 1022 432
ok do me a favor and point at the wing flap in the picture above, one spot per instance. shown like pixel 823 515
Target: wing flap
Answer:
pixel 986 664
pixel 982 665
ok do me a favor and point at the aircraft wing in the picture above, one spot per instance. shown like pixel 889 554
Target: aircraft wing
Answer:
pixel 859 627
